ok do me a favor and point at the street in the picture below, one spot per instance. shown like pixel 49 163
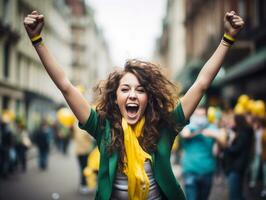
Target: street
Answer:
pixel 59 181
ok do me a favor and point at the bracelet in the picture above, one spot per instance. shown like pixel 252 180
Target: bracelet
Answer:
pixel 228 39
pixel 225 43
pixel 36 40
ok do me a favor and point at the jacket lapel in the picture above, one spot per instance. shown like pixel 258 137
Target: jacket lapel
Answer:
pixel 113 158
pixel 112 166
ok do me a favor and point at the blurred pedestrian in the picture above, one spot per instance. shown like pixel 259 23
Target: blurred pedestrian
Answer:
pixel 23 143
pixel 8 152
pixel 263 155
pixel 198 160
pixel 42 138
pixel 84 144
pixel 56 136
pixel 257 151
pixel 237 156
pixel 92 169
pixel 136 119
pixel 65 134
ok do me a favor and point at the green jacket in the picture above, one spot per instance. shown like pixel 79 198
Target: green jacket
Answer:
pixel 161 165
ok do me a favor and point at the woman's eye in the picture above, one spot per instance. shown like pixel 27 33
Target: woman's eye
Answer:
pixel 124 89
pixel 141 90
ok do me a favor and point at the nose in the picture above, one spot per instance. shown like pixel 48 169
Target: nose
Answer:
pixel 132 94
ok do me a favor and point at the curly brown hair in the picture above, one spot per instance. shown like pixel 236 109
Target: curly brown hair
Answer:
pixel 162 98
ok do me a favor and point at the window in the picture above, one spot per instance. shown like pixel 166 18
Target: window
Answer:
pixel 261 11
pixel 6 59
pixel 6 101
pixel 6 5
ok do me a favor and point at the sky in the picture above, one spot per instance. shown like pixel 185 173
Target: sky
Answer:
pixel 130 27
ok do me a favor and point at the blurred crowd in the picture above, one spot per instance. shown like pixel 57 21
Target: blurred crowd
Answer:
pixel 228 144
pixel 18 144
pixel 16 141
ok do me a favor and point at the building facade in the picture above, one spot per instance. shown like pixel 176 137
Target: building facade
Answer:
pixel 170 47
pixel 244 70
pixel 25 87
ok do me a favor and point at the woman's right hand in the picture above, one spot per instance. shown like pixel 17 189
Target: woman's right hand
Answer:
pixel 34 23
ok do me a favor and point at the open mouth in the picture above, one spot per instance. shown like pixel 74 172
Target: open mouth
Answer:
pixel 132 109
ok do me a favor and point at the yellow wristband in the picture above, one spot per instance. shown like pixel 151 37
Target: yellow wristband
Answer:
pixel 35 38
pixel 229 37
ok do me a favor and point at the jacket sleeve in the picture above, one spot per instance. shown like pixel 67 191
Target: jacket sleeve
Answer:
pixel 92 125
pixel 179 117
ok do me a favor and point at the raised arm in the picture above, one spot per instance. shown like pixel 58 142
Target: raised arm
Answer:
pixel 233 24
pixel 34 23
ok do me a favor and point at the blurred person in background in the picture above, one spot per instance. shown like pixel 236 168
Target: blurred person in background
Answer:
pixel 92 169
pixel 42 138
pixel 257 126
pixel 23 143
pixel 198 160
pixel 263 156
pixel 137 117
pixel 84 144
pixel 64 136
pixel 8 151
pixel 226 125
pixel 55 134
pixel 237 155
pixel 214 115
pixel 2 150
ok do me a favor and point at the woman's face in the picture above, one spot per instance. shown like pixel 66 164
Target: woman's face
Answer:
pixel 131 98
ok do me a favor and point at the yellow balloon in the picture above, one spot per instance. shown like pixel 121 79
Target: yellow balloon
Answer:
pixel 211 114
pixel 250 105
pixel 239 109
pixel 243 100
pixel 259 108
pixel 65 117
pixel 8 116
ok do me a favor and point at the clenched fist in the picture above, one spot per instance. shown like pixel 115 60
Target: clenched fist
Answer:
pixel 34 23
pixel 233 23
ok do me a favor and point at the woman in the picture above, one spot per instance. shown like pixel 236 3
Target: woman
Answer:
pixel 137 118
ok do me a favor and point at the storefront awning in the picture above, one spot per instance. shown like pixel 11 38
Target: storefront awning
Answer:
pixel 252 64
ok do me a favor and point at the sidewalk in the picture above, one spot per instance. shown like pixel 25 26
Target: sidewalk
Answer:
pixel 59 181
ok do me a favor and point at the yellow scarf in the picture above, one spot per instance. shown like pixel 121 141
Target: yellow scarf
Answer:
pixel 138 181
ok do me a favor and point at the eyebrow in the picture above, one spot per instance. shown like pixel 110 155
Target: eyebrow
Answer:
pixel 127 85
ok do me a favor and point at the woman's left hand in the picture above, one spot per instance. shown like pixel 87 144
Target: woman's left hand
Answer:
pixel 233 23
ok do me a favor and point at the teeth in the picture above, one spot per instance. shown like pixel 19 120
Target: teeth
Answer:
pixel 132 105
